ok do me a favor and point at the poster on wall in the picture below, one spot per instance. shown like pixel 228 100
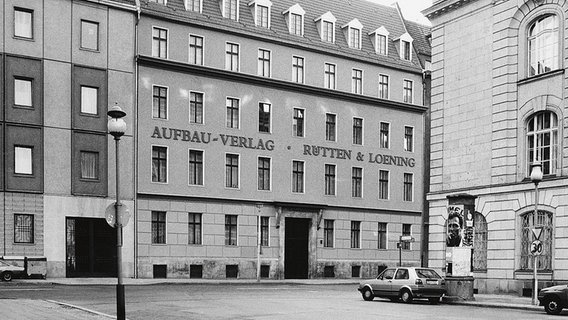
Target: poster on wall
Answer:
pixel 460 232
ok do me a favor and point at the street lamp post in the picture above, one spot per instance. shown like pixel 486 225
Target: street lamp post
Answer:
pixel 536 177
pixel 117 128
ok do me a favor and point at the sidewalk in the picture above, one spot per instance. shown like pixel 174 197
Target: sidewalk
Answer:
pixel 46 309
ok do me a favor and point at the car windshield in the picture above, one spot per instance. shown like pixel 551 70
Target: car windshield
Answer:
pixel 427 273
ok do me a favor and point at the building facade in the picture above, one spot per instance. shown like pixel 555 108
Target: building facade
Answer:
pixel 57 179
pixel 498 107
pixel 277 139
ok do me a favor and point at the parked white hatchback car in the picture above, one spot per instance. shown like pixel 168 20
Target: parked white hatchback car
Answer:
pixel 406 284
pixel 8 271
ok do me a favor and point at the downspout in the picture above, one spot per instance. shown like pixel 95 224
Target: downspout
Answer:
pixel 135 138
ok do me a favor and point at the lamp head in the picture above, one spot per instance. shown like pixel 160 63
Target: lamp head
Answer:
pixel 536 172
pixel 116 125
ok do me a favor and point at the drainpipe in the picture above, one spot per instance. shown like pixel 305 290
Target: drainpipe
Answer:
pixel 134 139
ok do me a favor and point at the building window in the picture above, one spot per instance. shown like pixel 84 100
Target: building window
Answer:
pixel 158 227
pixel 263 173
pixel 356 182
pixel 329 179
pixel 384 141
pixel 196 167
pixel 89 35
pixel 406 231
pixel 23 23
pixel 354 38
pixel 196 107
pixel 408 139
pixel 23 228
pixel 231 9
pixel 528 222
pixel 298 122
pixel 23 160
pixel 296 24
pixel 231 56
pixel 297 176
pixel 407 91
pixel 330 120
pixel 356 234
pixel 542 141
pixel 382 44
pixel 357 131
pixel 159 43
pixel 408 189
pixel 195 50
pixel 263 16
pixel 405 47
pixel 263 63
pixel 232 170
pixel 193 5
pixel 159 164
pixel 23 93
pixel 233 113
pixel 382 236
pixel 89 165
pixel 383 184
pixel 357 81
pixel 194 228
pixel 480 243
pixel 328 31
pixel 383 86
pixel 543 37
pixel 264 117
pixel 264 228
pixel 328 233
pixel 89 100
pixel 329 79
pixel 230 230
pixel 159 102
pixel 298 69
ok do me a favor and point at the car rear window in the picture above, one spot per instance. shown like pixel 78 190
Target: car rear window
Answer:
pixel 427 273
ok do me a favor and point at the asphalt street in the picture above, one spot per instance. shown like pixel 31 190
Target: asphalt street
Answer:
pixel 247 301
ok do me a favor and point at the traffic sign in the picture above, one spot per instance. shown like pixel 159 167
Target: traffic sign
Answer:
pixel 536 248
pixel 536 232
pixel 406 239
pixel 123 211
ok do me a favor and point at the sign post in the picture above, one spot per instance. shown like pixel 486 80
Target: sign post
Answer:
pixel 401 240
pixel 536 250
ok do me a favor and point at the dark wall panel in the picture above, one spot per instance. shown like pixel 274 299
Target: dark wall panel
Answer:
pixel 26 137
pixel 94 78
pixel 89 142
pixel 26 69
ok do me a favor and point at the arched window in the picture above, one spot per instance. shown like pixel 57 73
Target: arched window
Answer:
pixel 480 243
pixel 543 45
pixel 542 141
pixel 528 222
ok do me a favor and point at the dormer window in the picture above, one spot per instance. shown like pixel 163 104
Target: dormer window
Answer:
pixel 295 19
pixel 353 33
pixel 404 46
pixel 193 5
pixel 261 12
pixel 380 38
pixel 230 9
pixel 326 27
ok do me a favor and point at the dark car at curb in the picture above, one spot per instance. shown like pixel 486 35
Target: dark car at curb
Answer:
pixel 405 284
pixel 554 298
pixel 9 271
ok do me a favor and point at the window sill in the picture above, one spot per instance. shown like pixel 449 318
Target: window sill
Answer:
pixel 528 274
pixel 541 76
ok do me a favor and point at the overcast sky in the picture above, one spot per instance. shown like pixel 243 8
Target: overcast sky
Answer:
pixel 410 8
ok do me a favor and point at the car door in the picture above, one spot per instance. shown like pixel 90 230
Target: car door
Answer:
pixel 382 285
pixel 401 279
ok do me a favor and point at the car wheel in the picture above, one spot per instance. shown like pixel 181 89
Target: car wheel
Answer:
pixel 434 300
pixel 552 306
pixel 7 276
pixel 367 294
pixel 406 296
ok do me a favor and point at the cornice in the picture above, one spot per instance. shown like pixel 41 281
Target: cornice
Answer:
pixel 177 66
pixel 444 6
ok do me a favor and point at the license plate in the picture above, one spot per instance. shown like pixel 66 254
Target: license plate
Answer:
pixel 432 281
